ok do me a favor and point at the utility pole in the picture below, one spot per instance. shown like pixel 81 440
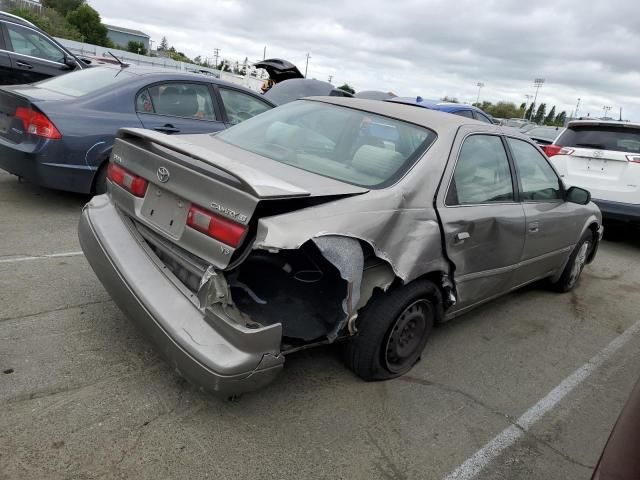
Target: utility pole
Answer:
pixel 537 83
pixel 526 98
pixel 264 53
pixel 216 52
pixel 307 65
pixel 479 85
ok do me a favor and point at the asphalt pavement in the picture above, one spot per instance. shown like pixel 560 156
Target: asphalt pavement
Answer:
pixel 527 387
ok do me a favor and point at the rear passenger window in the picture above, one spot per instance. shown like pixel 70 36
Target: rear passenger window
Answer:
pixel 482 174
pixel 538 179
pixel 464 113
pixel 188 100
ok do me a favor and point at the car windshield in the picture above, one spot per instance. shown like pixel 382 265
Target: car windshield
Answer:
pixel 77 84
pixel 349 145
pixel 602 137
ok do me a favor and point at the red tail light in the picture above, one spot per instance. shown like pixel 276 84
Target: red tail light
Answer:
pixel 37 123
pixel 129 181
pixel 633 158
pixel 215 226
pixel 551 150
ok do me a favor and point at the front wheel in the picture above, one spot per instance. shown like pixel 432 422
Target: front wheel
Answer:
pixel 393 331
pixel 575 265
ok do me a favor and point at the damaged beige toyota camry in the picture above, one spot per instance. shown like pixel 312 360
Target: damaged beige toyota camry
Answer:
pixel 327 219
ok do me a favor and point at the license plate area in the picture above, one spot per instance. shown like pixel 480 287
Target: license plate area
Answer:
pixel 164 210
pixel 597 165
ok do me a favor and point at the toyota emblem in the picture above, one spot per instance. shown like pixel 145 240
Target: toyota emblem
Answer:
pixel 163 174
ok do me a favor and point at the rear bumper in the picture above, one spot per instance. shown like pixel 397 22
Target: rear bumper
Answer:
pixel 625 212
pixel 208 349
pixel 41 168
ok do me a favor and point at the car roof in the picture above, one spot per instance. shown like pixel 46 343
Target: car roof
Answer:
pixel 9 17
pixel 604 123
pixel 425 117
pixel 435 104
pixel 159 73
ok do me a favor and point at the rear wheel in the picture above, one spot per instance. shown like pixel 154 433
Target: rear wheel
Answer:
pixel 393 331
pixel 575 265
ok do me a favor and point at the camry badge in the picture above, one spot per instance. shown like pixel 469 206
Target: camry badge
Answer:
pixel 163 174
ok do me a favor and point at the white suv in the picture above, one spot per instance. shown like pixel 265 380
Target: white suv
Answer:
pixel 604 158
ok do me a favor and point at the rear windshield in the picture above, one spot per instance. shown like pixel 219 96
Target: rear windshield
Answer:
pixel 82 82
pixel 349 145
pixel 601 137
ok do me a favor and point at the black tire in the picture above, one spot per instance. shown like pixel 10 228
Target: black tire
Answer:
pixel 372 353
pixel 100 180
pixel 572 270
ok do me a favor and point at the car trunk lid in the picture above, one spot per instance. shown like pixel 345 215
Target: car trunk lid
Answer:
pixel 198 175
pixel 15 104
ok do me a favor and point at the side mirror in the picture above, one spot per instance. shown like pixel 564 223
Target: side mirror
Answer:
pixel 70 62
pixel 578 195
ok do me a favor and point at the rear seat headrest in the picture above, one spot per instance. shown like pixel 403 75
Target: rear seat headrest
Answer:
pixel 376 161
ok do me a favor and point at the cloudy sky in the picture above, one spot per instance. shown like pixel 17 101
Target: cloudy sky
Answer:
pixel 582 48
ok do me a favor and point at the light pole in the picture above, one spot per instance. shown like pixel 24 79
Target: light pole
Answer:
pixel 537 83
pixel 605 110
pixel 216 52
pixel 330 78
pixel 479 85
pixel 307 65
pixel 575 113
pixel 526 98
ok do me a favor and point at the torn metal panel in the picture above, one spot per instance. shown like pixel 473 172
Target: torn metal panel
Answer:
pixel 406 237
pixel 346 255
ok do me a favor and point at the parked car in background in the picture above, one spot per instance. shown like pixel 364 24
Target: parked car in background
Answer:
pixel 604 158
pixel 543 135
pixel 324 219
pixel 296 88
pixel 463 110
pixel 27 54
pixel 517 123
pixel 59 133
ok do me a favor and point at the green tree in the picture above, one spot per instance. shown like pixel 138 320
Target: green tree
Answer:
pixel 529 112
pixel 540 112
pixel 449 99
pixel 164 44
pixel 560 119
pixel 503 110
pixel 550 118
pixel 63 7
pixel 136 47
pixel 88 23
pixel 50 21
pixel 347 88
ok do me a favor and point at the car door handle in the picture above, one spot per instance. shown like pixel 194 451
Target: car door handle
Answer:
pixel 28 66
pixel 167 129
pixel 534 227
pixel 462 236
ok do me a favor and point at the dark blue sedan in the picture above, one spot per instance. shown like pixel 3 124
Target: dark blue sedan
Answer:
pixel 461 109
pixel 58 133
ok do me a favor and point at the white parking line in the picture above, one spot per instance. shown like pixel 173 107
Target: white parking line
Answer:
pixel 474 464
pixel 40 257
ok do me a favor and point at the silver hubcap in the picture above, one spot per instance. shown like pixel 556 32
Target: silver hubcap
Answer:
pixel 579 262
